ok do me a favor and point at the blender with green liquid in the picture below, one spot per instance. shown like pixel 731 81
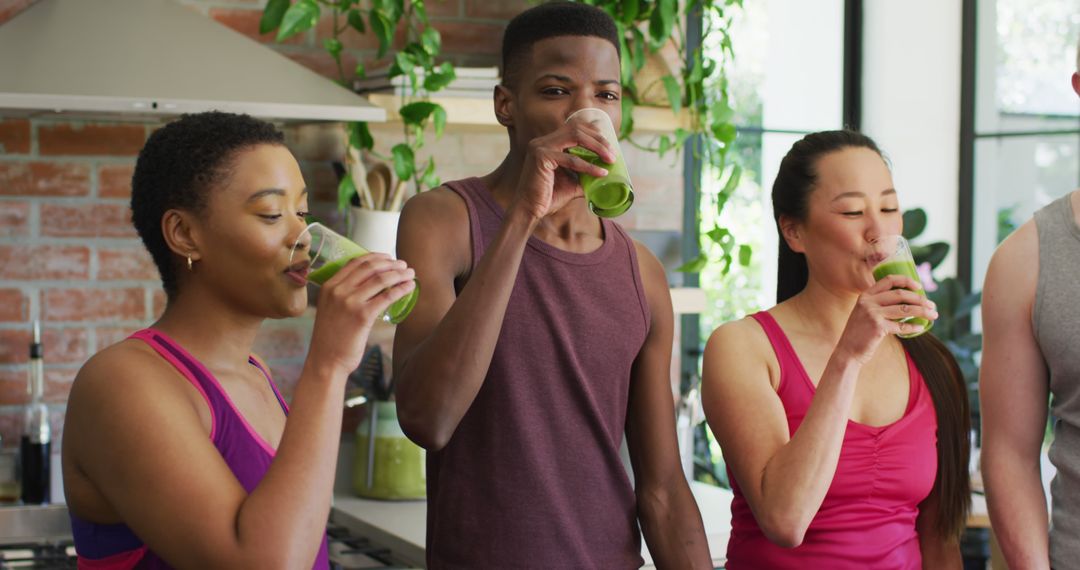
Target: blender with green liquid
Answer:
pixel 612 195
pixel 329 251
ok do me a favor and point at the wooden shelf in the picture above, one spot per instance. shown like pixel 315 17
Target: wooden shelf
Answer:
pixel 477 112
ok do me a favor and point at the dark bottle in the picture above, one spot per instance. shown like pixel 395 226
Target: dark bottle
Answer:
pixel 35 446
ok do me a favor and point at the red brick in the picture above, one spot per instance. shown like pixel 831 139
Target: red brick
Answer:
pixel 14 306
pixel 157 303
pixel 443 8
pixel 44 179
pixel 495 9
pixel 281 342
pixel 470 38
pixel 44 262
pixel 114 180
pixel 58 381
pixel 106 139
pixel 14 219
pixel 108 336
pixel 14 136
pixel 125 263
pixel 13 383
pixel 86 220
pixel 320 62
pixel 11 8
pixel 66 345
pixel 93 304
pixel 246 21
pixel 15 345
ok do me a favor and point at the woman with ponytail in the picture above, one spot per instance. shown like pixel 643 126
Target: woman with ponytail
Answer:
pixel 846 446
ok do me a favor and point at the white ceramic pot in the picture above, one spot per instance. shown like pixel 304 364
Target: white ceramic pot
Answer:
pixel 374 230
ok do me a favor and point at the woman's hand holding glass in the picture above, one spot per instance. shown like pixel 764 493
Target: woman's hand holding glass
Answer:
pixel 883 309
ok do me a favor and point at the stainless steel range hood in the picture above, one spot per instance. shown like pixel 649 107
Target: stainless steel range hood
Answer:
pixel 152 59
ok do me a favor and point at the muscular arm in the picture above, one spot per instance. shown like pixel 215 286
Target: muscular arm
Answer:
pixel 1013 391
pixel 783 478
pixel 444 348
pixel 669 516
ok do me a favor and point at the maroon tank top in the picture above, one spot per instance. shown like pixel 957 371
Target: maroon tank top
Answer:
pixel 532 475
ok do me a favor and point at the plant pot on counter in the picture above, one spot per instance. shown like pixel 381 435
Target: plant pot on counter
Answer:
pixel 387 465
pixel 374 230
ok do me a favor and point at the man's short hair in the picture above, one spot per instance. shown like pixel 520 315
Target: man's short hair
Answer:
pixel 551 20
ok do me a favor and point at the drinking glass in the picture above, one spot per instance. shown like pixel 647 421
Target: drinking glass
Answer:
pixel 611 195
pixel 898 261
pixel 329 251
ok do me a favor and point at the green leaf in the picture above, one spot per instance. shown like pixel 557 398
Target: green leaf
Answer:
pixel 405 65
pixel 745 252
pixel 671 85
pixel 431 40
pixel 333 46
pixel 932 253
pixel 420 12
pixel 968 304
pixel 356 20
pixel 914 223
pixel 627 125
pixel 638 47
pixel 272 15
pixel 345 192
pixel 630 11
pixel 383 29
pixel 665 145
pixel 418 112
pixel 733 180
pixel 404 161
pixel 439 118
pixel 440 79
pixel 344 5
pixel 360 71
pixel 724 133
pixel 300 17
pixel 626 70
pixel 694 265
pixel 430 179
pixel 662 21
pixel 360 136
pixel 718 234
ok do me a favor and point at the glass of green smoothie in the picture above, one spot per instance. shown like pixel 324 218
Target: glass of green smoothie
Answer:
pixel 898 261
pixel 613 194
pixel 329 251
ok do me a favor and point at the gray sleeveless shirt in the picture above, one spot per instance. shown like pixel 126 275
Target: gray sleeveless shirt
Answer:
pixel 1056 321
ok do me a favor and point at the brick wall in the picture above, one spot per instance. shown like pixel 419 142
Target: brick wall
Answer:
pixel 69 255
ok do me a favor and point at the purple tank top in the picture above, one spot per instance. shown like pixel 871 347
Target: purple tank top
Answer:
pixel 532 476
pixel 115 546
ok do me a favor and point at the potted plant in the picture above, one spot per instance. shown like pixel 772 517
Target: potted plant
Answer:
pixel 374 195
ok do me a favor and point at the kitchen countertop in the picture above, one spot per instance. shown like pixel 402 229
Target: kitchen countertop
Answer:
pixel 400 525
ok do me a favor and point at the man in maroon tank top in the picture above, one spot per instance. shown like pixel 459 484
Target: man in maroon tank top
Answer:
pixel 543 334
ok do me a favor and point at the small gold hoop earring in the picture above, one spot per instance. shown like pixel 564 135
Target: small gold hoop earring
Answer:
pixel 189 263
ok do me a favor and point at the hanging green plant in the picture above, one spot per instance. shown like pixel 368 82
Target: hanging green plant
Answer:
pixel 698 92
pixel 416 60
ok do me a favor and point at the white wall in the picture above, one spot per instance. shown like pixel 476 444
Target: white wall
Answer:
pixel 911 105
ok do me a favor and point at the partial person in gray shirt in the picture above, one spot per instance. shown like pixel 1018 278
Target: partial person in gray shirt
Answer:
pixel 1031 350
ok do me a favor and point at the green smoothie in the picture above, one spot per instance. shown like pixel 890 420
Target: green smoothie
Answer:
pixel 399 466
pixel 611 195
pixel 907 269
pixel 396 312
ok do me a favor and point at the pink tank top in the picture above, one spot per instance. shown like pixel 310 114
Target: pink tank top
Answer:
pixel 867 519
